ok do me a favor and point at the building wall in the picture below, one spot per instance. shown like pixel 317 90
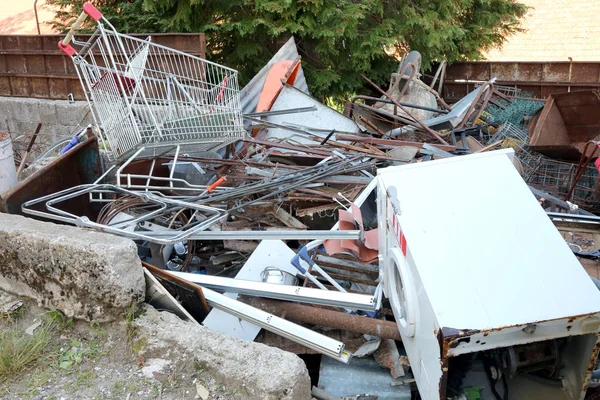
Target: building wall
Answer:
pixel 18 17
pixel 555 30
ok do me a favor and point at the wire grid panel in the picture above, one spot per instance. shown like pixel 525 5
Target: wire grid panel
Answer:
pixel 146 94
pixel 556 177
pixel 509 91
pixel 509 130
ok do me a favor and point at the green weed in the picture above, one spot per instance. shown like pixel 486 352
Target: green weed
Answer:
pixel 60 319
pixel 19 351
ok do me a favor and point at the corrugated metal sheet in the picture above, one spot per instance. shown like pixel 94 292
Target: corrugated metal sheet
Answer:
pixel 360 376
pixel 250 93
pixel 33 65
pixel 539 78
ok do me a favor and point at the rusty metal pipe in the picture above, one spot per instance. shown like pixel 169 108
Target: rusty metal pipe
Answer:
pixel 390 142
pixel 324 317
pixel 413 72
pixel 371 125
pixel 387 114
pixel 37 21
pixel 400 106
pixel 409 105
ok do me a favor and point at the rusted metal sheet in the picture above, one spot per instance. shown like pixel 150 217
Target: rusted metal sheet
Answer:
pixel 539 78
pixel 190 295
pixel 78 166
pixel 33 66
pixel 566 123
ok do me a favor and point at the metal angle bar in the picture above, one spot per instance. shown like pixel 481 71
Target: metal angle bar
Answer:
pixel 409 105
pixel 574 217
pixel 262 235
pixel 281 112
pixel 280 326
pixel 299 294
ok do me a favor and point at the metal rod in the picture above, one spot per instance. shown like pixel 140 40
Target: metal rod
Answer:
pixel 261 235
pixel 37 21
pixel 574 217
pixel 423 126
pixel 281 112
pixel 300 294
pixel 371 125
pixel 391 142
pixel 329 318
pixel 386 114
pixel 409 105
pixel 31 142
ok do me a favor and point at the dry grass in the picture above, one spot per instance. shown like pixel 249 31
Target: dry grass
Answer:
pixel 20 351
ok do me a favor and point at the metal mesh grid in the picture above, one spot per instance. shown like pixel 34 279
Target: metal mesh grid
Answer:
pixel 506 90
pixel 146 94
pixel 509 130
pixel 557 177
pixel 552 176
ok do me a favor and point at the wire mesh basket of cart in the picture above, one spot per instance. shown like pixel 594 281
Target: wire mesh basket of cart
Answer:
pixel 142 94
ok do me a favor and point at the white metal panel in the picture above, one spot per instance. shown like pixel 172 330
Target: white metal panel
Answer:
pixel 324 118
pixel 484 270
pixel 268 253
pixel 250 93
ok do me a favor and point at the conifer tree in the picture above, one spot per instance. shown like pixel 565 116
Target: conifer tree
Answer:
pixel 337 39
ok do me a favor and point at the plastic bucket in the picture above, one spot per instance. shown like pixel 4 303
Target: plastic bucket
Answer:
pixel 8 172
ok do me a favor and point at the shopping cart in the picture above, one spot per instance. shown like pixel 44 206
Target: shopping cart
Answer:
pixel 144 94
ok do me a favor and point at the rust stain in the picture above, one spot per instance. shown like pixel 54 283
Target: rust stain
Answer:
pixel 591 366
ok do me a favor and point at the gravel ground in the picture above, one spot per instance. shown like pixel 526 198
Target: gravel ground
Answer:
pixel 103 361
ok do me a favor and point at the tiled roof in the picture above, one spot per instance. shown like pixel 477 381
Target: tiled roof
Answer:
pixel 18 17
pixel 555 31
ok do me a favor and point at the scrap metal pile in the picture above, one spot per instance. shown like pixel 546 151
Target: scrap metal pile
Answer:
pixel 270 197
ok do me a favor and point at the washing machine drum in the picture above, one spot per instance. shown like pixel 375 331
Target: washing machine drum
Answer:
pixel 403 296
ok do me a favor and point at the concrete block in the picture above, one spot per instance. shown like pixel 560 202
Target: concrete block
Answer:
pixel 26 110
pixel 86 274
pixel 254 370
pixel 26 128
pixel 47 110
pixel 71 114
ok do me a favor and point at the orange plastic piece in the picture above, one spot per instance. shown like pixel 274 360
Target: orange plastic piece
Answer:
pixel 216 184
pixel 282 71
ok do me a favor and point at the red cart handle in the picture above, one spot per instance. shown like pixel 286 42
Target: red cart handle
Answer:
pixel 88 10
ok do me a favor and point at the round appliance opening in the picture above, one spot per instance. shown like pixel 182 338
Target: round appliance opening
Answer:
pixel 402 296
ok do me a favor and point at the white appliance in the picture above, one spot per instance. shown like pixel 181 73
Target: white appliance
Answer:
pixel 484 289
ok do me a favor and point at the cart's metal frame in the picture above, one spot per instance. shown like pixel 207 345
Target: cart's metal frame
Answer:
pixel 142 93
pixel 164 204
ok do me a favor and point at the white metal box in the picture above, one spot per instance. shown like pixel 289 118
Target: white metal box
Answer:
pixel 472 264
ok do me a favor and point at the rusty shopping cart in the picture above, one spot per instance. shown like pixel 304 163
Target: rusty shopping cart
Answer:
pixel 142 94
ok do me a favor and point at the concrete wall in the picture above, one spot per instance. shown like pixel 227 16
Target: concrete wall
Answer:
pixel 60 118
pixel 85 274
